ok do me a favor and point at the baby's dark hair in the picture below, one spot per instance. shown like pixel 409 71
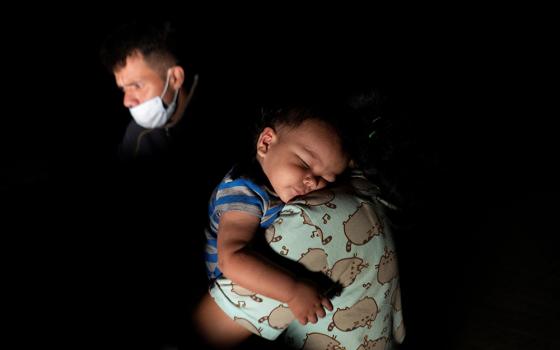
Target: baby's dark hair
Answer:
pixel 292 115
pixel 295 114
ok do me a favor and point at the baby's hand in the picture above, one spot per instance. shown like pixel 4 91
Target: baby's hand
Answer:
pixel 307 304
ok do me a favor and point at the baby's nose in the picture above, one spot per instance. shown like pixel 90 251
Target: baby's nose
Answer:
pixel 310 182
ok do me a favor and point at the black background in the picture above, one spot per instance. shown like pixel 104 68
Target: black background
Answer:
pixel 84 266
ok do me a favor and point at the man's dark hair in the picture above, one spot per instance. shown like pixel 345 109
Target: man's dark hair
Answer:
pixel 156 41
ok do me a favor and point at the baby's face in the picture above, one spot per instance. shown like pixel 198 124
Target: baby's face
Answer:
pixel 303 159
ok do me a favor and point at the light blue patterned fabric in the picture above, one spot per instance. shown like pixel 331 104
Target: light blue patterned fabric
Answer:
pixel 341 232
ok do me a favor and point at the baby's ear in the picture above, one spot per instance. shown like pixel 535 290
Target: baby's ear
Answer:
pixel 266 137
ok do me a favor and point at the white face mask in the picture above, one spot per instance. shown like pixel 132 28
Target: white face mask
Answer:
pixel 152 113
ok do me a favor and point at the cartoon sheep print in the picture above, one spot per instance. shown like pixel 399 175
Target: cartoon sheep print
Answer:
pixel 315 260
pixel 387 267
pixel 279 318
pixel 361 314
pixel 321 341
pixel 361 226
pixel 342 236
pixel 345 271
pixel 237 289
pixel 377 344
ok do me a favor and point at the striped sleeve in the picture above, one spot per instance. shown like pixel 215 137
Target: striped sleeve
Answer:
pixel 239 195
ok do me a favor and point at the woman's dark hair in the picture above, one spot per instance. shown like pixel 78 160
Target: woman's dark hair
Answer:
pixel 390 153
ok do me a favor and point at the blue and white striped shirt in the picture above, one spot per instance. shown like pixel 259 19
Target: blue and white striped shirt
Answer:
pixel 240 194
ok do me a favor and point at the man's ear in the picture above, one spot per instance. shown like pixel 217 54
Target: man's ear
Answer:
pixel 266 138
pixel 177 77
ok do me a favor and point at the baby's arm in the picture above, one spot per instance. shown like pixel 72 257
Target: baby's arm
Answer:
pixel 252 271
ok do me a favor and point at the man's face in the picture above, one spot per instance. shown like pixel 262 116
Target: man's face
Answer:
pixel 138 81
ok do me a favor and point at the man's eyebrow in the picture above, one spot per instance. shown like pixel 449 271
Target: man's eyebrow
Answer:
pixel 136 82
